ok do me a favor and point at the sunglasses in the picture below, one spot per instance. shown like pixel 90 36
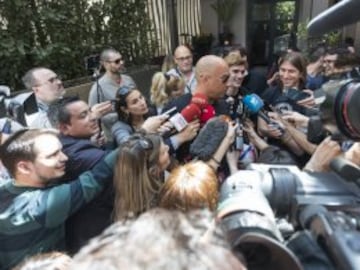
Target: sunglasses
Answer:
pixel 182 59
pixel 145 144
pixel 139 141
pixel 124 90
pixel 225 78
pixel 54 79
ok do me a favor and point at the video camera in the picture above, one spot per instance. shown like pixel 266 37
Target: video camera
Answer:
pixel 16 108
pixel 252 201
pixel 247 197
pixel 339 113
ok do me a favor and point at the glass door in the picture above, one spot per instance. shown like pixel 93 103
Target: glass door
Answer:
pixel 271 27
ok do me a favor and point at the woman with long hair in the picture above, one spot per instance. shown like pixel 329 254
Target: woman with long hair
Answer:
pixel 139 174
pixel 133 114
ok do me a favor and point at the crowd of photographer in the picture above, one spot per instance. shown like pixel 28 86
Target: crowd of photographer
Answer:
pixel 218 136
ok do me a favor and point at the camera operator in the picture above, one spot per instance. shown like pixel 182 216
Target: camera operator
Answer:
pixel 340 63
pixel 47 87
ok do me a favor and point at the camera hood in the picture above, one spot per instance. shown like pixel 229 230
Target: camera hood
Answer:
pixel 265 252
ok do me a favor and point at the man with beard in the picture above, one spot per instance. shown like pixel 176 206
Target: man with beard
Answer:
pixel 106 87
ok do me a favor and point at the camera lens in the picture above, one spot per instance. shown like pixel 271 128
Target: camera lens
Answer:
pixel 347 109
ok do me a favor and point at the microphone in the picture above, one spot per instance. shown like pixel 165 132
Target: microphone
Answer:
pixel 207 113
pixel 255 104
pixel 191 112
pixel 198 108
pixel 187 115
pixel 336 232
pixel 209 138
pixel 200 100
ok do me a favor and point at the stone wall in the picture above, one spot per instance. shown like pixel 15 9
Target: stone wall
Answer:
pixel 142 78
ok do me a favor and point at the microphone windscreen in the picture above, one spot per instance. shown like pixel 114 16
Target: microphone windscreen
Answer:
pixel 208 113
pixel 253 103
pixel 191 112
pixel 343 13
pixel 209 138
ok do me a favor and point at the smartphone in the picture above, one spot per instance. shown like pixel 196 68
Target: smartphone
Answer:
pixel 170 112
pixel 113 104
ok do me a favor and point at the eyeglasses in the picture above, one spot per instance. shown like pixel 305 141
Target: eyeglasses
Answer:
pixel 182 59
pixel 54 79
pixel 117 61
pixel 145 144
pixel 51 80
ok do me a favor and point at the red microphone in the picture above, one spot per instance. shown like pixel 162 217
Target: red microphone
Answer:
pixel 207 113
pixel 191 112
pixel 200 100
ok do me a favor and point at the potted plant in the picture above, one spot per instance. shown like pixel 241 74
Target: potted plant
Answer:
pixel 225 10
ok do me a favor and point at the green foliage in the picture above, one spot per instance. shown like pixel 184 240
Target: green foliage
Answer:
pixel 59 33
pixel 331 39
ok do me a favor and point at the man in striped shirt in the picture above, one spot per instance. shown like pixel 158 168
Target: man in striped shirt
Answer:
pixel 33 208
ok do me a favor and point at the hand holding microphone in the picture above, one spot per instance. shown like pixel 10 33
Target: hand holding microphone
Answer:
pixel 198 108
pixel 254 104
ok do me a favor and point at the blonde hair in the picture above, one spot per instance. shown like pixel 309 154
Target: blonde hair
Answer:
pixel 162 86
pixel 191 186
pixel 235 59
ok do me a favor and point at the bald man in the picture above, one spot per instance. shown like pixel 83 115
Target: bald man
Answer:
pixel 212 74
pixel 184 67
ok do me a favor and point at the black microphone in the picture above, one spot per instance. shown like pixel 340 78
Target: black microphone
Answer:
pixel 209 138
pixel 335 232
pixel 343 13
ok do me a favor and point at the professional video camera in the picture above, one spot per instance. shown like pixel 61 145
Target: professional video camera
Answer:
pixel 243 208
pixel 339 113
pixel 16 108
pixel 244 211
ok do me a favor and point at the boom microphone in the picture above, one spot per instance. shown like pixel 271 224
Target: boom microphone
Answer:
pixel 343 13
pixel 209 138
